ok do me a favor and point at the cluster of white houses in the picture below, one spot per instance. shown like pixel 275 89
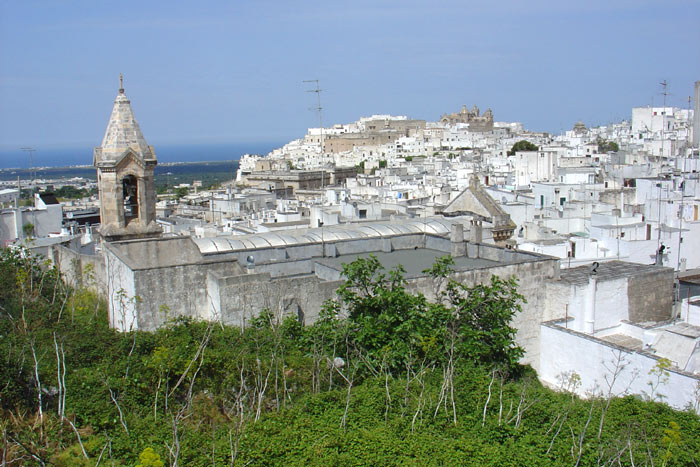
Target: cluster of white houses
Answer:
pixel 602 237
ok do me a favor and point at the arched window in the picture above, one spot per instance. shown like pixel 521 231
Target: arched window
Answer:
pixel 130 193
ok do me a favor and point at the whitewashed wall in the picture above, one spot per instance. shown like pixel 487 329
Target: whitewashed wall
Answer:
pixel 564 351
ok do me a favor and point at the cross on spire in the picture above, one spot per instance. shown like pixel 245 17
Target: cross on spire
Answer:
pixel 121 83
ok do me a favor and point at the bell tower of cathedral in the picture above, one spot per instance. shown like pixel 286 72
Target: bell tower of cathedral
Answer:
pixel 125 165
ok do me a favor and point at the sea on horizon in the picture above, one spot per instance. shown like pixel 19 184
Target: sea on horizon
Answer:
pixel 67 157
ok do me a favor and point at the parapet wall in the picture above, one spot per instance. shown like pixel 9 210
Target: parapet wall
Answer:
pixel 594 360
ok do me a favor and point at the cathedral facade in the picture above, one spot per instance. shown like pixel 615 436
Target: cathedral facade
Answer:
pixel 475 121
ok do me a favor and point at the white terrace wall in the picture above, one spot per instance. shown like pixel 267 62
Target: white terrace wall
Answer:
pixel 570 351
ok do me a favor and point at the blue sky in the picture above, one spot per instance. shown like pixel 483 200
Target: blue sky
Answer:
pixel 232 71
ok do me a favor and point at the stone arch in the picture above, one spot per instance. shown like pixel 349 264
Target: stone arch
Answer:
pixel 130 198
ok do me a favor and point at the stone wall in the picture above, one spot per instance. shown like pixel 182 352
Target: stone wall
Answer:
pixel 80 270
pixel 170 282
pixel 650 296
pixel 241 298
pixel 174 291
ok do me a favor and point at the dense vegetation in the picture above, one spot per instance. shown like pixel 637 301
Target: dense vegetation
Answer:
pixel 399 381
pixel 605 146
pixel 71 192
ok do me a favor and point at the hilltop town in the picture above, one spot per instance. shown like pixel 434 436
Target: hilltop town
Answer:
pixel 600 226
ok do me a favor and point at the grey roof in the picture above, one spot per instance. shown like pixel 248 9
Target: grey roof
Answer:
pixel 213 245
pixel 609 270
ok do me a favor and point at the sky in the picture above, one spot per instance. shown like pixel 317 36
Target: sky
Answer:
pixel 233 71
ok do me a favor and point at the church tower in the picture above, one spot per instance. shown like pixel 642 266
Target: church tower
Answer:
pixel 125 165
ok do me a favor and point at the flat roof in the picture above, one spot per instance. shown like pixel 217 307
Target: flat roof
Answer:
pixel 413 261
pixel 624 340
pixel 607 271
pixel 685 330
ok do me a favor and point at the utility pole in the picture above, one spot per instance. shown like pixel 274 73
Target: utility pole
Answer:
pixel 318 90
pixel 681 208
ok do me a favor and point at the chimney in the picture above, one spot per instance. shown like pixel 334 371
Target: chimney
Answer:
pixel 458 248
pixel 475 232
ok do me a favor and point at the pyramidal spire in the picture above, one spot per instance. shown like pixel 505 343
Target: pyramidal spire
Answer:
pixel 123 132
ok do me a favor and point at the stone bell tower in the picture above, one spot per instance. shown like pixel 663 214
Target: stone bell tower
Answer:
pixel 125 165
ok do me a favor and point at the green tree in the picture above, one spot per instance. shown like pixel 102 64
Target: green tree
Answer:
pixel 483 314
pixel 387 323
pixel 480 315
pixel 181 192
pixel 522 145
pixel 607 146
pixel 394 326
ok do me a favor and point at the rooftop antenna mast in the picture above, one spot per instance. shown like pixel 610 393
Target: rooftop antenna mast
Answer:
pixel 32 172
pixel 665 93
pixel 318 90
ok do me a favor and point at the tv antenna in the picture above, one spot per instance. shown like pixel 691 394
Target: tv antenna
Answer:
pixel 318 108
pixel 318 90
pixel 32 172
pixel 664 123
